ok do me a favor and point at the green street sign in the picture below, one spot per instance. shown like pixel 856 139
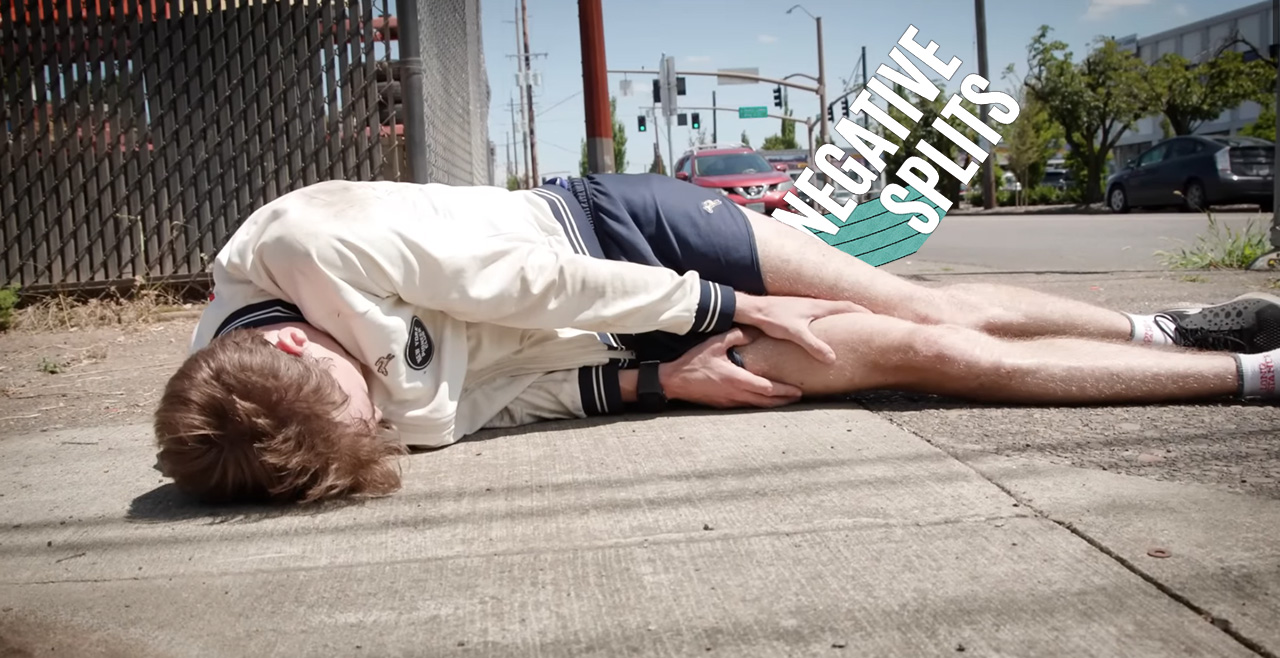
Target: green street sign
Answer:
pixel 759 112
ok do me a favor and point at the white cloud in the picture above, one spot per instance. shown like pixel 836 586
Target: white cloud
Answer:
pixel 1181 11
pixel 697 59
pixel 767 38
pixel 1099 9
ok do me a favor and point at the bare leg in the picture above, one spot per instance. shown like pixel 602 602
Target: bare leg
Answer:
pixel 796 264
pixel 880 352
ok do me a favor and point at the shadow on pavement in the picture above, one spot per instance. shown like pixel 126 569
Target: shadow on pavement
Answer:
pixel 166 504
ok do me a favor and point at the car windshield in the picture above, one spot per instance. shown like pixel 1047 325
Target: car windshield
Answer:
pixel 1055 175
pixel 730 164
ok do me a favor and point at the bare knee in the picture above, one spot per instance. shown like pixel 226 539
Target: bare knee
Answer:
pixel 967 305
pixel 926 352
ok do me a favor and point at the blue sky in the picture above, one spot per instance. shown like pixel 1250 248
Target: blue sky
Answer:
pixel 712 34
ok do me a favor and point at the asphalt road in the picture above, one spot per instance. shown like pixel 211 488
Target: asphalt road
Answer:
pixel 1069 243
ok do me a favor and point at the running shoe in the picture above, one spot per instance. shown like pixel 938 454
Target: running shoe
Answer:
pixel 1248 324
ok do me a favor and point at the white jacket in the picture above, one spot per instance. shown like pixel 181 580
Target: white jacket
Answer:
pixel 467 306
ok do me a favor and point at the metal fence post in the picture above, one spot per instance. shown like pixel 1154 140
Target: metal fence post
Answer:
pixel 414 103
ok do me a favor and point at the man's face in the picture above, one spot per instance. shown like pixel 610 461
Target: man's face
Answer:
pixel 299 339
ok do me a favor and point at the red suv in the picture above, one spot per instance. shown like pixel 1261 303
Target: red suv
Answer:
pixel 737 172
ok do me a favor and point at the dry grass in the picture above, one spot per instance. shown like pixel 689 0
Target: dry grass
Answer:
pixel 63 313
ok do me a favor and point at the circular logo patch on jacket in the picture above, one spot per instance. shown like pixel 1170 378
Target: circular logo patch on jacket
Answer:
pixel 419 350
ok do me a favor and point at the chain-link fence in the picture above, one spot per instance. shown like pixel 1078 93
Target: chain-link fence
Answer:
pixel 456 91
pixel 138 134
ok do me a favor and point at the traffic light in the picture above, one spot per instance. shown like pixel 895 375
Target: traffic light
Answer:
pixel 844 104
pixel 643 126
pixel 777 96
pixel 695 122
pixel 831 113
pixel 682 119
pixel 657 92
pixel 680 86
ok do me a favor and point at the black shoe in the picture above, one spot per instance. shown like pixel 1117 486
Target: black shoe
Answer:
pixel 1248 324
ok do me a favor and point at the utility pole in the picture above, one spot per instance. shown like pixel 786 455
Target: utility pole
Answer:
pixel 533 140
pixel 511 105
pixel 988 166
pixel 520 78
pixel 595 85
pixel 714 132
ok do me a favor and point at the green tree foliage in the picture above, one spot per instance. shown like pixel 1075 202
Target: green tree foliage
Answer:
pixel 1190 95
pixel 1094 100
pixel 658 166
pixel 513 182
pixel 619 143
pixel 784 141
pixel 1265 126
pixel 1032 139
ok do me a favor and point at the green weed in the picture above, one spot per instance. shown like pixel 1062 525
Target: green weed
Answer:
pixel 1221 248
pixel 51 367
pixel 8 302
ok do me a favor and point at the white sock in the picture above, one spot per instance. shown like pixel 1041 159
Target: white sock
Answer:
pixel 1257 374
pixel 1150 329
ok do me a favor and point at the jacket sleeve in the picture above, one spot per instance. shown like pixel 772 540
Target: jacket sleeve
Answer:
pixel 517 281
pixel 582 393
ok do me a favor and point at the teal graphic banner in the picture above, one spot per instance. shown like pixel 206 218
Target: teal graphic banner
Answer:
pixel 877 236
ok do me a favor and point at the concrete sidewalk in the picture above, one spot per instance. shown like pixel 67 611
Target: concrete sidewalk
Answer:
pixel 814 530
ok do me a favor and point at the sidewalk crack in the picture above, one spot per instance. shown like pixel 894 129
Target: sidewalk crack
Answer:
pixel 1221 623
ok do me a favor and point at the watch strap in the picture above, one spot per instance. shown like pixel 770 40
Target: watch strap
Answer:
pixel 649 393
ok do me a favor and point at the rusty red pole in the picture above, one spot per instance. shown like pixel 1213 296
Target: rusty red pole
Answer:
pixel 595 86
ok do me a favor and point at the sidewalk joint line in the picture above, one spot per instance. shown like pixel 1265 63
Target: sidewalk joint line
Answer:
pixel 1221 623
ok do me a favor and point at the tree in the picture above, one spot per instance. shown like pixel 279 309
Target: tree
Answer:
pixel 1265 126
pixel 698 138
pixel 658 166
pixel 784 141
pixel 619 143
pixel 1032 139
pixel 1095 100
pixel 1189 95
pixel 746 141
pixel 513 182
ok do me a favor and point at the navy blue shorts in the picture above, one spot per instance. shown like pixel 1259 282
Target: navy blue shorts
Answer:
pixel 665 222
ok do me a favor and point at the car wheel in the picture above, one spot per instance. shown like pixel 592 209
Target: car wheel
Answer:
pixel 1194 198
pixel 1117 200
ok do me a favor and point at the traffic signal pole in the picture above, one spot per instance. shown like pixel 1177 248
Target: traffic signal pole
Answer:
pixel 822 84
pixel 724 74
pixel 595 83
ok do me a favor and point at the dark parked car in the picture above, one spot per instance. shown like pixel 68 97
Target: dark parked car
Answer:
pixel 1196 173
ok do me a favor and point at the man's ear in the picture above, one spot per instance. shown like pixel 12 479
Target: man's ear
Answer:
pixel 291 340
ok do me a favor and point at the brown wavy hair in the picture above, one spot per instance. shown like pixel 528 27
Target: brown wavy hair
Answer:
pixel 242 421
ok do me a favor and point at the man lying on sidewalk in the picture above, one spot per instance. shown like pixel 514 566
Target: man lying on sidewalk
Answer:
pixel 352 319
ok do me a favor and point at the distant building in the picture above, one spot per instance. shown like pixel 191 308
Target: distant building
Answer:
pixel 1198 42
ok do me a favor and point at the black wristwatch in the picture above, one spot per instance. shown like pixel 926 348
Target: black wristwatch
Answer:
pixel 650 397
